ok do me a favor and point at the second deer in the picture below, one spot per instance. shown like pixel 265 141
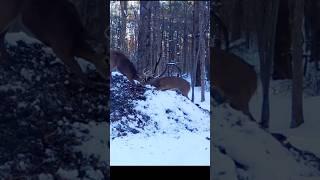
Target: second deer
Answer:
pixel 234 79
pixel 120 62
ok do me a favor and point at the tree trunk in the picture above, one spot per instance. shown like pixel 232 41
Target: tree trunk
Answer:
pixel 198 73
pixel 171 31
pixel 185 39
pixel 282 68
pixel 195 46
pixel 144 35
pixel 313 28
pixel 297 11
pixel 202 48
pixel 266 28
pixel 123 27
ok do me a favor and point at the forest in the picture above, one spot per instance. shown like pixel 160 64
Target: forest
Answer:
pixel 271 125
pixel 157 47
pixel 164 37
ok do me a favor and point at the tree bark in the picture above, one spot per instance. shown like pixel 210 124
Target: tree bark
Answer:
pixel 297 12
pixel 123 26
pixel 202 49
pixel 266 28
pixel 282 68
pixel 194 46
pixel 144 36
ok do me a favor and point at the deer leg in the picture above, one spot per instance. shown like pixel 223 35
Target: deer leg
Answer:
pixel 74 67
pixel 98 59
pixel 185 95
pixel 102 66
pixel 244 110
pixel 130 79
pixel 249 115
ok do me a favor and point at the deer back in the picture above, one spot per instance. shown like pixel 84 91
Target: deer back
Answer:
pixel 165 83
pixel 234 77
pixel 123 64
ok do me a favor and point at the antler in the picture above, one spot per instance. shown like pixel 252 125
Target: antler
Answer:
pixel 147 74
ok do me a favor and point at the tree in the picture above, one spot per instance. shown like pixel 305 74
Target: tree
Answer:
pixel 171 31
pixel 162 32
pixel 312 29
pixel 185 38
pixel 123 26
pixel 195 46
pixel 202 47
pixel 297 13
pixel 266 29
pixel 282 68
pixel 144 41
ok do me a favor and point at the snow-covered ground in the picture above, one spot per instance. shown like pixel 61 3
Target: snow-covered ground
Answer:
pixel 179 132
pixel 242 150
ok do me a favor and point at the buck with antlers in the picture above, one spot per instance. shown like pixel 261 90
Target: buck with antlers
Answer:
pixel 166 83
pixel 119 61
pixel 171 83
pixel 234 79
pixel 57 24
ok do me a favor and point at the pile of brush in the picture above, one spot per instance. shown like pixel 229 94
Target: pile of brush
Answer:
pixel 45 119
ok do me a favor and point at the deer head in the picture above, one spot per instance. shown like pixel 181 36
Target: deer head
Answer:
pixel 121 62
pixel 171 83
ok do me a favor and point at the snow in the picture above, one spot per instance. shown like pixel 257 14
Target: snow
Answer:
pixel 45 177
pixel 307 136
pixel 242 150
pixel 266 158
pixel 67 174
pixel 27 74
pixel 178 132
pixel 96 133
pixel 12 86
pixel 197 94
pixel 225 165
pixel 160 149
pixel 13 37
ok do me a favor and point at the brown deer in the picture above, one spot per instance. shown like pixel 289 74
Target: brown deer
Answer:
pixel 165 83
pixel 234 79
pixel 119 61
pixel 57 24
pixel 171 83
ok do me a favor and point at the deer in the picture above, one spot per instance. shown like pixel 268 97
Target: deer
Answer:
pixel 122 63
pixel 57 24
pixel 165 83
pixel 234 79
pixel 171 83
